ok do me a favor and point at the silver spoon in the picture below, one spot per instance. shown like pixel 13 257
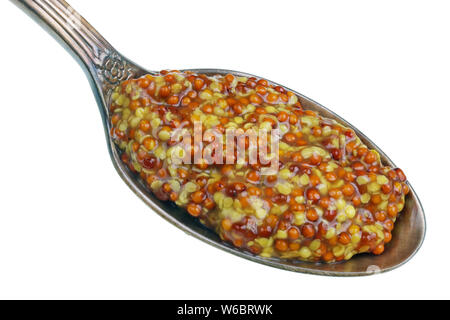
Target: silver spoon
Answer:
pixel 105 68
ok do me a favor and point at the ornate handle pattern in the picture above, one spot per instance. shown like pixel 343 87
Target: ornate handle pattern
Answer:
pixel 104 64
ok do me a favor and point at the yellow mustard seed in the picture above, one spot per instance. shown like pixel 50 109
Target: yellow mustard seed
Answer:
pixel 361 180
pixel 382 179
pixel 283 188
pixel 305 253
pixel 164 135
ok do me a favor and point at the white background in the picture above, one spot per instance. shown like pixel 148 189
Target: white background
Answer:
pixel 69 226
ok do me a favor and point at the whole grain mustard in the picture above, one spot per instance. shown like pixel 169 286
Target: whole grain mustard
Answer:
pixel 330 198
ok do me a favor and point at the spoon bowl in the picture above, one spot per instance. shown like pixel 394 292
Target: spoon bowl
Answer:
pixel 106 68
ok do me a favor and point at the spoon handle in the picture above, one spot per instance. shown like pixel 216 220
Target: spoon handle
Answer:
pixel 104 66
